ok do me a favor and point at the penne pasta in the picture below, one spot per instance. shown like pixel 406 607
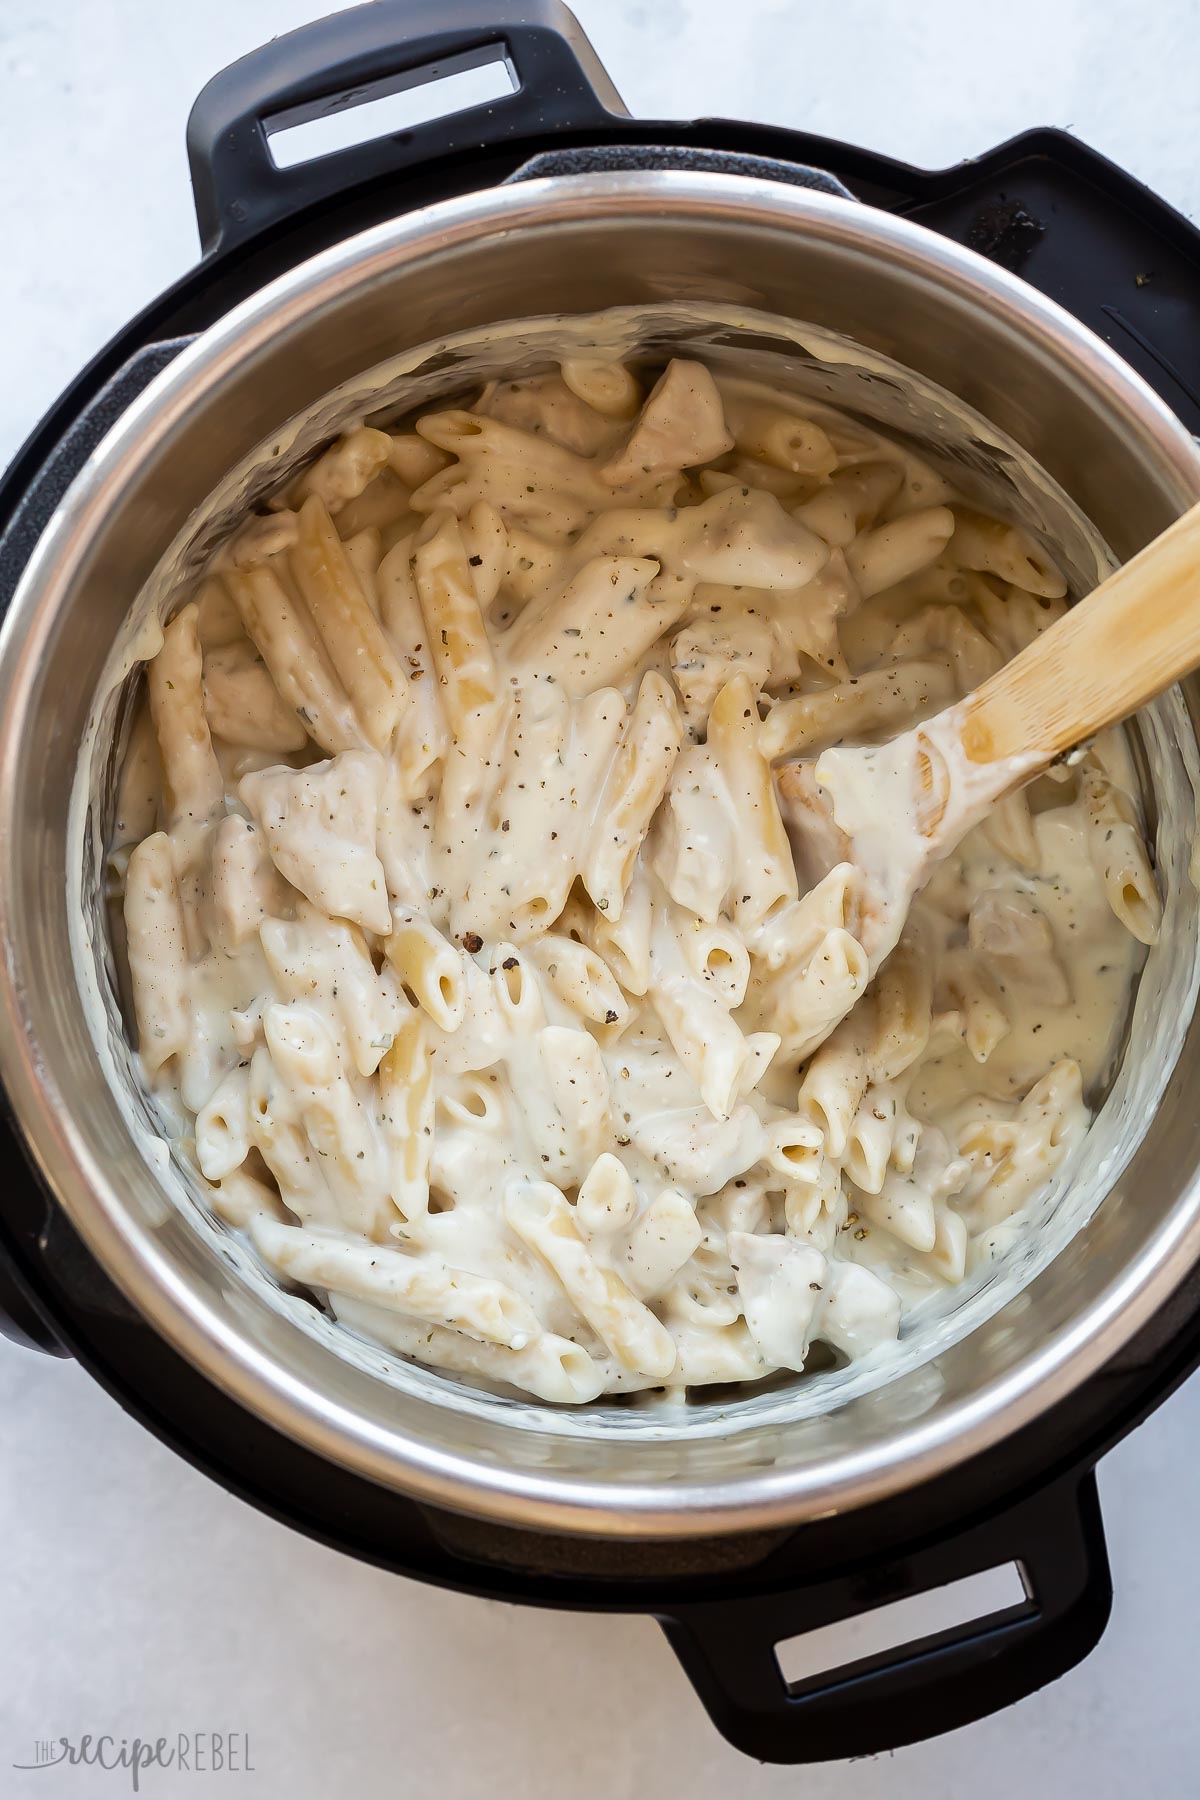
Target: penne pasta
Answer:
pixel 593 633
pixel 851 501
pixel 541 1218
pixel 864 704
pixel 550 1367
pixel 890 553
pixel 631 795
pixel 429 967
pixel 454 625
pixel 661 1243
pixel 364 552
pixel 156 945
pixel 193 787
pixel 1119 856
pixel 284 637
pixel 492 953
pixel 349 631
pixel 406 1116
pixel 607 1200
pixel 989 544
pixel 608 388
pixel 722 1061
pixel 764 874
pixel 450 1299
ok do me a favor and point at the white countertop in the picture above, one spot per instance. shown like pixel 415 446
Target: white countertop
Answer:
pixel 137 1597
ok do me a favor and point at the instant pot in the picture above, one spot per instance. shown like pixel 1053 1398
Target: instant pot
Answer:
pixel 1054 297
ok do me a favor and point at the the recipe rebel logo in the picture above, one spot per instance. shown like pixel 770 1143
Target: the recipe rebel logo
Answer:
pixel 186 1752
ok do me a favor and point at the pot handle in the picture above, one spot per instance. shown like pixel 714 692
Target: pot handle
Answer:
pixel 602 159
pixel 363 55
pixel 922 1688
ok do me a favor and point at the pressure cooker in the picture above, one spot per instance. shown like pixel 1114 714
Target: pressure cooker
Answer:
pixel 1058 303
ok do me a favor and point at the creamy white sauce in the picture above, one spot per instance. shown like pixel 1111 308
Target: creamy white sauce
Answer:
pixel 667 1040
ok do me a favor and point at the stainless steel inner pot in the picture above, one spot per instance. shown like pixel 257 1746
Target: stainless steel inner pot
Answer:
pixel 1000 386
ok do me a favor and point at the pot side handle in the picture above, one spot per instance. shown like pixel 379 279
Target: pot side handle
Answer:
pixel 366 54
pixel 922 1688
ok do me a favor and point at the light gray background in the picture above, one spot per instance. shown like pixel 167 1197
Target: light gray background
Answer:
pixel 138 1598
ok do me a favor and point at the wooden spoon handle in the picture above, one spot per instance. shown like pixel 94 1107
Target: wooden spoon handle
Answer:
pixel 1128 640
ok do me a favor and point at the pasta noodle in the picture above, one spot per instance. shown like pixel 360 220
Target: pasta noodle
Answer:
pixel 1119 855
pixel 485 947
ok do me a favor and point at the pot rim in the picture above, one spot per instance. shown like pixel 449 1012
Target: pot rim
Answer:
pixel 127 1249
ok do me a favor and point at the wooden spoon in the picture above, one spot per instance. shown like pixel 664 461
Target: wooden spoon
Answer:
pixel 895 810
